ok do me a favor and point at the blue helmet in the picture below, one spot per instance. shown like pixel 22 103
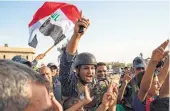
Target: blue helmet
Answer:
pixel 17 59
pixel 21 60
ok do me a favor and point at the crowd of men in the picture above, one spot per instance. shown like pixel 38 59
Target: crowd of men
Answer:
pixel 80 83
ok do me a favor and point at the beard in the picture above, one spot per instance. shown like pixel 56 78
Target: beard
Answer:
pixel 83 80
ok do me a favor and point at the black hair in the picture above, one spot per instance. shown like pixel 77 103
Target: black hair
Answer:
pixel 101 64
pixel 69 102
pixel 140 76
pixel 161 104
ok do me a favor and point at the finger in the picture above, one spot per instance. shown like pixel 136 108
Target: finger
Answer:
pixel 164 45
pixel 86 89
pixel 81 15
pixel 114 96
pixel 166 58
pixel 85 21
pixel 106 83
pixel 109 96
pixel 127 77
pixel 92 97
pixel 159 51
pixel 165 54
pixel 165 66
pixel 109 90
pixel 83 24
pixel 115 90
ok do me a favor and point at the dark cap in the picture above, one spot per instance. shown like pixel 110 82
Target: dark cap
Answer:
pixel 52 65
pixel 138 62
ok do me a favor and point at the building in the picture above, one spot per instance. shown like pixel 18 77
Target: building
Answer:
pixel 9 52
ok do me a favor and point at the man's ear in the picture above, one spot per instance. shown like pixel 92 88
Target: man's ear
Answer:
pixel 133 70
pixel 77 69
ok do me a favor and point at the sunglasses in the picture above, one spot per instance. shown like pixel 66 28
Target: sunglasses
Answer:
pixel 140 68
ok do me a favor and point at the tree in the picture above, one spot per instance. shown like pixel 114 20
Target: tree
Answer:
pixel 118 64
pixel 129 65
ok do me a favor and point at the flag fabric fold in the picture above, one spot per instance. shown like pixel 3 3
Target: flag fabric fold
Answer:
pixel 53 19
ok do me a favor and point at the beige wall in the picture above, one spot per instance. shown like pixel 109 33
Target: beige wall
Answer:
pixel 10 52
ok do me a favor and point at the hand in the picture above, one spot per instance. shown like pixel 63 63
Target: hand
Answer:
pixel 56 105
pixel 110 97
pixel 166 62
pixel 87 98
pixel 39 57
pixel 159 53
pixel 127 78
pixel 81 22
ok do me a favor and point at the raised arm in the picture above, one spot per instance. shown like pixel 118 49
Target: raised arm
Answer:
pixel 126 80
pixel 73 44
pixel 164 71
pixel 157 55
pixel 71 48
pixel 164 92
pixel 35 61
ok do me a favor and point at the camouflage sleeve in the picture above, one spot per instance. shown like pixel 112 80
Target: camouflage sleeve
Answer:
pixel 34 63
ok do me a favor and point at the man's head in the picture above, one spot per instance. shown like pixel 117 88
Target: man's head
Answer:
pixel 23 89
pixel 85 64
pixel 46 73
pixel 155 87
pixel 21 60
pixel 126 69
pixel 69 102
pixel 54 69
pixel 138 65
pixel 101 70
pixel 160 104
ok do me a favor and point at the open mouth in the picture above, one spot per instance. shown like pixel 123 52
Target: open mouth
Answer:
pixel 89 78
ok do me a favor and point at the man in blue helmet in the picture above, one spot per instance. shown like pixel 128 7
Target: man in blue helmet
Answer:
pixel 22 60
pixel 132 88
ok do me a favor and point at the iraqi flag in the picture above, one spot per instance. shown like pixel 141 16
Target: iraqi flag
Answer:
pixel 53 19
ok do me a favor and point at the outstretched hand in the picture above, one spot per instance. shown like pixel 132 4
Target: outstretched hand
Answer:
pixel 39 57
pixel 110 97
pixel 159 53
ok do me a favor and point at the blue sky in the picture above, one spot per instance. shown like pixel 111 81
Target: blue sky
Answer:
pixel 119 31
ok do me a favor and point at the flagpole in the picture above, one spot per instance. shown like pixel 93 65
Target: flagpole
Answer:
pixel 49 49
pixel 55 43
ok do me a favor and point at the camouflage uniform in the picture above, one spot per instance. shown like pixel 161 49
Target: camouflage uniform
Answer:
pixel 98 91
